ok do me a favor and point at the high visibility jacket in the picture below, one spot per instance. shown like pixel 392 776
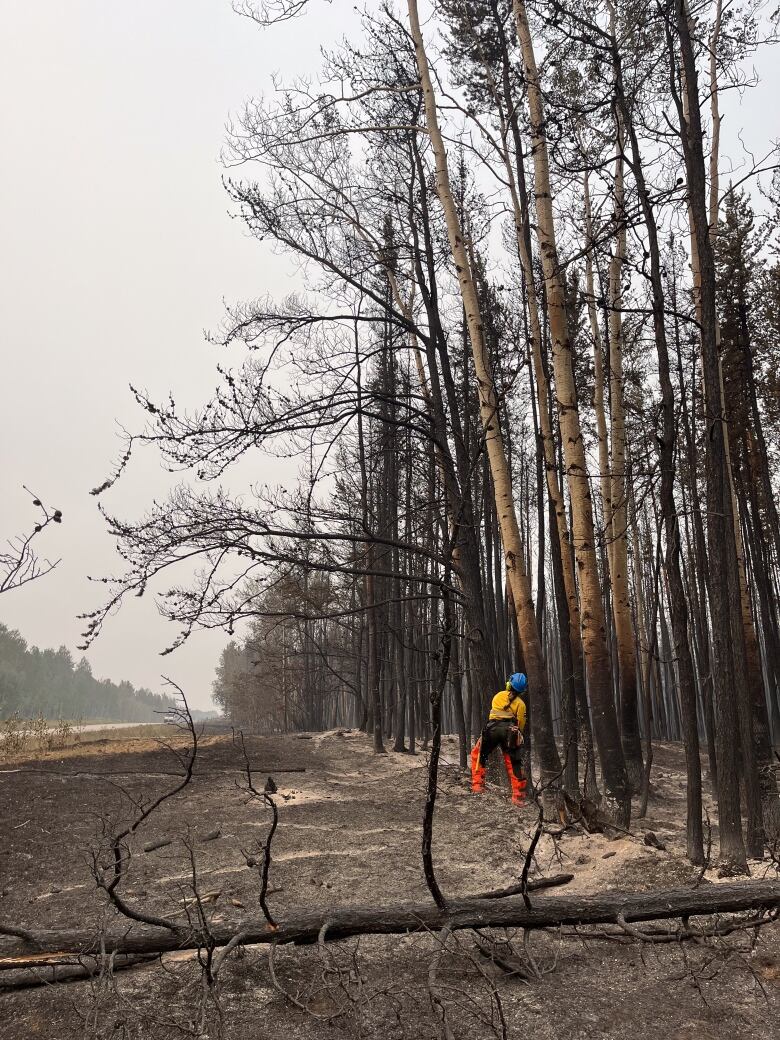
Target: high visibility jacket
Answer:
pixel 508 705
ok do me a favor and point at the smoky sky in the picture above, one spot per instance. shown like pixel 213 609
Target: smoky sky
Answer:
pixel 118 250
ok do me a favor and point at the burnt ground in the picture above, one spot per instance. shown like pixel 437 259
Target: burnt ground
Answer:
pixel 349 834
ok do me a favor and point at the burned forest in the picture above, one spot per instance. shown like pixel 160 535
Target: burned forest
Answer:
pixel 491 482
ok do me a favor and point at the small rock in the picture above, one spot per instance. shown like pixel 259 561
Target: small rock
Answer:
pixel 608 855
pixel 55 889
pixel 583 859
pixel 652 840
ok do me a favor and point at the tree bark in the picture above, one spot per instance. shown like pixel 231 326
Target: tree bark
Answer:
pixel 305 926
pixel 667 443
pixel 489 414
pixel 720 530
pixel 618 530
pixel 594 634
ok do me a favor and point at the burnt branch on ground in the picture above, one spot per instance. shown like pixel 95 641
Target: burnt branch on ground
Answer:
pixel 110 863
pixel 264 866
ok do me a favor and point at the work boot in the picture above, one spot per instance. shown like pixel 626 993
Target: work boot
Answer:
pixel 477 771
pixel 518 785
pixel 518 792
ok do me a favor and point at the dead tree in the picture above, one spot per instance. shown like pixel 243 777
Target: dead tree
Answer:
pixel 758 897
pixel 20 562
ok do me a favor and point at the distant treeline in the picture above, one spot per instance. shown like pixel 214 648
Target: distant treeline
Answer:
pixel 50 682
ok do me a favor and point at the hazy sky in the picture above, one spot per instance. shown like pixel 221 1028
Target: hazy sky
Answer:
pixel 117 251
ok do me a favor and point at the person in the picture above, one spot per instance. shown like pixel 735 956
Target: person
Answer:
pixel 504 729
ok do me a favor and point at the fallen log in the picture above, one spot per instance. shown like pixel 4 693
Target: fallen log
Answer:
pixel 534 885
pixel 45 969
pixel 304 927
pixel 162 843
pixel 33 960
pixel 42 771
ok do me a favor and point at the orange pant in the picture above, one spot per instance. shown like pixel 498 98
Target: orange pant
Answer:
pixel 512 764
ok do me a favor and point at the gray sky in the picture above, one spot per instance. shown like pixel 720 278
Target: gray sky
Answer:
pixel 117 251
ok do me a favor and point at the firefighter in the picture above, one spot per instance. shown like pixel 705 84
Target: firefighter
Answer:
pixel 504 729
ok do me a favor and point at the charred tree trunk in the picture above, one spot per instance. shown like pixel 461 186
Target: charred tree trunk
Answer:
pixel 494 442
pixel 667 447
pixel 594 635
pixel 720 530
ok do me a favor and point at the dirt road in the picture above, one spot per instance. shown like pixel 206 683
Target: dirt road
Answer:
pixel 95 727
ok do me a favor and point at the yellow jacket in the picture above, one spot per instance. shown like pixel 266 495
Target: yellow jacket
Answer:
pixel 507 705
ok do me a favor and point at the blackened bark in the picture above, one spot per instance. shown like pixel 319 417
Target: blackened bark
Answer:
pixel 551 911
pixel 667 446
pixel 720 530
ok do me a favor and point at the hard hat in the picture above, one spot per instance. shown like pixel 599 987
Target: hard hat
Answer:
pixel 518 682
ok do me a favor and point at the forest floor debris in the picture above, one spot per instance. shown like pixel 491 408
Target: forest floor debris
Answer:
pixel 349 834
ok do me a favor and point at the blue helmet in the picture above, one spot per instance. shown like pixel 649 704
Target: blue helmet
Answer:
pixel 518 682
